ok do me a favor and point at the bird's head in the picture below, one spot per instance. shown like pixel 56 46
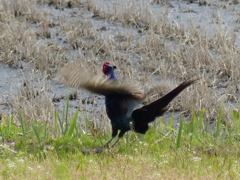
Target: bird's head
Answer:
pixel 108 69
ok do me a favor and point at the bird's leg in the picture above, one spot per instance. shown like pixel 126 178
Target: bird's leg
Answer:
pixel 114 134
pixel 119 136
pixel 115 142
pixel 107 143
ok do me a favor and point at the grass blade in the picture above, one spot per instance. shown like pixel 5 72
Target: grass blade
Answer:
pixel 10 119
pixel 219 121
pixel 180 133
pixel 65 113
pixel 59 122
pixel 37 135
pixel 170 125
pixel 73 123
pixel 22 125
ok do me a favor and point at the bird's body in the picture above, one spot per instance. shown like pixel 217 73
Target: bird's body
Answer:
pixel 119 110
pixel 119 107
pixel 124 101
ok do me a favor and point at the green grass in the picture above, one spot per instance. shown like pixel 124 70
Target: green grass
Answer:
pixel 51 149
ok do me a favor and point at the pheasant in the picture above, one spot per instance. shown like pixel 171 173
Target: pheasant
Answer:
pixel 123 101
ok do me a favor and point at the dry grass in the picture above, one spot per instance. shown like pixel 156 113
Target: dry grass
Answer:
pixel 32 102
pixel 146 46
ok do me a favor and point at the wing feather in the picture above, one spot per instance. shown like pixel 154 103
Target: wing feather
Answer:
pixel 76 76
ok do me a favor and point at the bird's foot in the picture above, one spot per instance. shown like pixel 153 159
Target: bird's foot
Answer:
pixel 106 146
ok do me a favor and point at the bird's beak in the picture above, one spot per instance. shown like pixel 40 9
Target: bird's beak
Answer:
pixel 114 67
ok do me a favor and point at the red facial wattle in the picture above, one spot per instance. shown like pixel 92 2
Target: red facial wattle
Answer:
pixel 105 67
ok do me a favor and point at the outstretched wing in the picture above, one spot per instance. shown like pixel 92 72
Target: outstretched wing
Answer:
pixel 76 76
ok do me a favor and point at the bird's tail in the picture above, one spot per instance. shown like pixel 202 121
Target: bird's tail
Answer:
pixel 148 113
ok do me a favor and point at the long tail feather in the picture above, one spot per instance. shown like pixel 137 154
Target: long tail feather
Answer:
pixel 157 108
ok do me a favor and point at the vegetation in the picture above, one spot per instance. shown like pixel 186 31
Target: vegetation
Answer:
pixel 41 139
pixel 53 150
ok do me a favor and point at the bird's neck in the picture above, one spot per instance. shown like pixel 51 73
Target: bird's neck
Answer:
pixel 112 75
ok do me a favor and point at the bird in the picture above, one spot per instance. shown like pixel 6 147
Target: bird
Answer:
pixel 123 101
